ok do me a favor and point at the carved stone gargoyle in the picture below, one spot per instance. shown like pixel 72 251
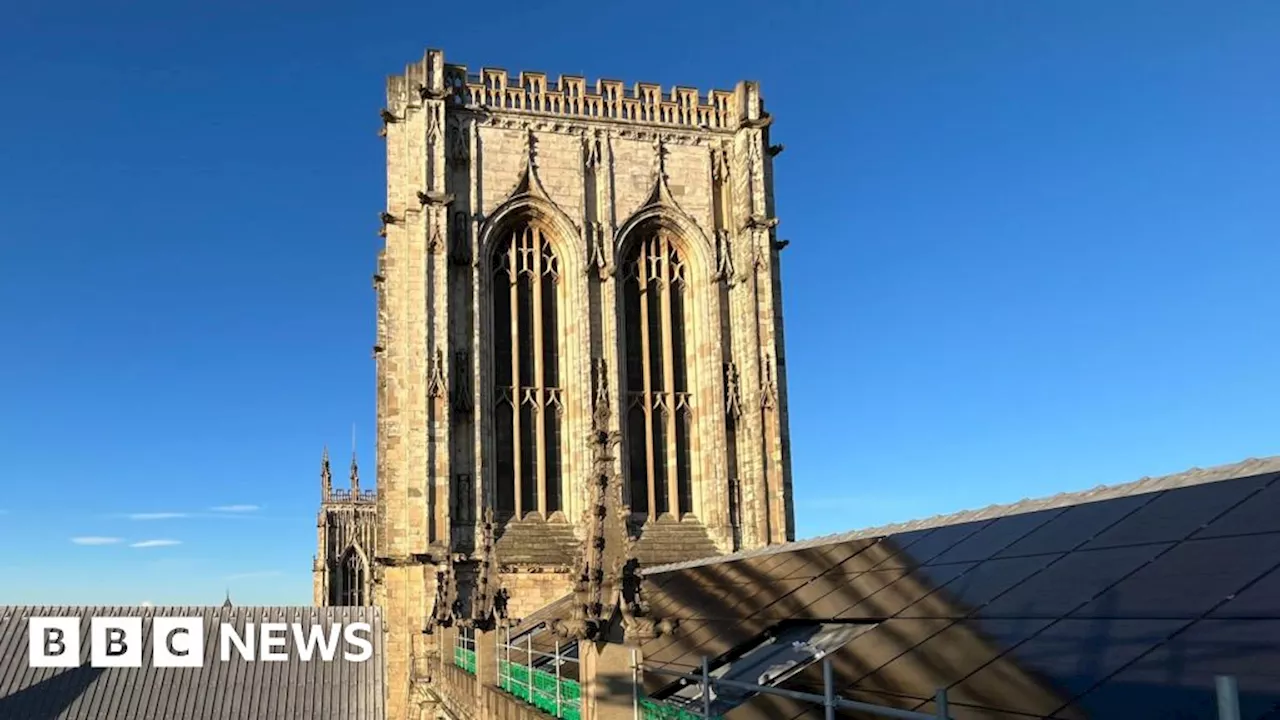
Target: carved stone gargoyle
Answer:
pixel 446 604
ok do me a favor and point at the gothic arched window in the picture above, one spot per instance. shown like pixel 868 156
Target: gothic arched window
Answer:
pixel 350 585
pixel 526 361
pixel 658 415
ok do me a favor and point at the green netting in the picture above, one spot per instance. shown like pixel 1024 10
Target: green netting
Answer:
pixel 465 659
pixel 658 710
pixel 514 678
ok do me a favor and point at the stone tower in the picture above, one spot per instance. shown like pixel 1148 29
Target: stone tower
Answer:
pixel 346 542
pixel 555 252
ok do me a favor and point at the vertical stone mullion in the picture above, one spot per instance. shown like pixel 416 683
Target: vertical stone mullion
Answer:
pixel 539 383
pixel 667 253
pixel 517 463
pixel 642 282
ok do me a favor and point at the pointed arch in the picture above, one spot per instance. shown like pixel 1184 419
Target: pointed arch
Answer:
pixel 530 272
pixel 351 578
pixel 663 274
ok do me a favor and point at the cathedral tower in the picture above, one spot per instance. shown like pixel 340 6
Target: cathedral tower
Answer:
pixel 558 252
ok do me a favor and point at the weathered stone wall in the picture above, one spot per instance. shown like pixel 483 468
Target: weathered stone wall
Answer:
pixel 467 157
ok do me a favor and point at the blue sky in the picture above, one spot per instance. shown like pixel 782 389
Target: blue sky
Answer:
pixel 1033 250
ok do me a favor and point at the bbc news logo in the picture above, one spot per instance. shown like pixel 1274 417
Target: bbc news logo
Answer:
pixel 180 642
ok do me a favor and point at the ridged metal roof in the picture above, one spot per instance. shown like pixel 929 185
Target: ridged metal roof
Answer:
pixel 233 690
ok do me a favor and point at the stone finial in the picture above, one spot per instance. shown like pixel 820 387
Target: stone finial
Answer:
pixel 355 476
pixel 607 583
pixel 326 477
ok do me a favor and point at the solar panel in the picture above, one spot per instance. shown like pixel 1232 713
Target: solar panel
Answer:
pixel 995 537
pixel 919 583
pixel 1258 513
pixel 1070 655
pixel 1069 582
pixel 1175 514
pixel 937 542
pixel 1260 600
pixel 1188 580
pixel 1078 524
pixel 1177 678
pixel 862 593
pixel 969 591
pixel 939 661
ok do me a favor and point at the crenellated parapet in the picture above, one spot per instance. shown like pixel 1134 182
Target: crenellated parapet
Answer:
pixel 572 96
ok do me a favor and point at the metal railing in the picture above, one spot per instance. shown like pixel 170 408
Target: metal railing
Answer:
pixel 548 691
pixel 1226 690
pixel 464 650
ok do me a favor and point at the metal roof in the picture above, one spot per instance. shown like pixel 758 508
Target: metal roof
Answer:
pixel 239 689
pixel 1117 602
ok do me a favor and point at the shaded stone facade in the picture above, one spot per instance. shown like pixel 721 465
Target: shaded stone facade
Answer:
pixel 558 258
pixel 346 541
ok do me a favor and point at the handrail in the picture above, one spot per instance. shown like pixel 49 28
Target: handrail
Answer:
pixel 830 701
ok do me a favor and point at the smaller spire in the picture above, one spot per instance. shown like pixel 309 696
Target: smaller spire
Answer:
pixel 227 603
pixel 355 470
pixel 326 477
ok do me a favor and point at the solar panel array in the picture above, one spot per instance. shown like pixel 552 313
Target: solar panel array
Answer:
pixel 1120 607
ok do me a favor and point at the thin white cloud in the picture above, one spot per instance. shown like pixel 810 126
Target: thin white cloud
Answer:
pixel 157 515
pixel 155 543
pixel 146 603
pixel 95 540
pixel 251 575
pixel 236 508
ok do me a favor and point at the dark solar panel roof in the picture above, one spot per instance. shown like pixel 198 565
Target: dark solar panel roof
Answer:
pixel 317 690
pixel 1117 602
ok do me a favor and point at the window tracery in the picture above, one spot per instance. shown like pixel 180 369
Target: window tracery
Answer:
pixel 529 402
pixel 659 413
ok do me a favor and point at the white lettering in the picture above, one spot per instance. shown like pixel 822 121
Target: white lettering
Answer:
pixel 316 637
pixel 177 642
pixel 228 636
pixel 53 642
pixel 115 642
pixel 268 644
pixel 349 633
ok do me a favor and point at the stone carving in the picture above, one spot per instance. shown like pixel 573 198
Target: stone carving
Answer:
pixel 768 384
pixel 724 256
pixel 434 112
pixel 463 494
pixel 597 250
pixel 574 97
pixel 732 391
pixel 435 377
pixel 435 244
pixel 459 149
pixel 607 572
pixel 461 396
pixel 590 152
pixel 531 149
pixel 600 400
pixel 442 614
pixel 661 151
pixel 720 165
pixel 488 604
pixel 459 245
pixel 753 155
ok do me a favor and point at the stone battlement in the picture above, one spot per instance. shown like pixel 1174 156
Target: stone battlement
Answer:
pixel 572 96
pixel 349 496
